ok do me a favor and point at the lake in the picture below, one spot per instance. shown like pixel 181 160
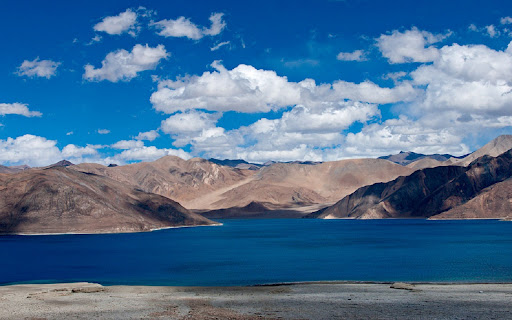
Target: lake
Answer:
pixel 246 252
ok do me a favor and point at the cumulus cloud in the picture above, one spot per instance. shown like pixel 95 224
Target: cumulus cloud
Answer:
pixel 127 144
pixel 469 78
pixel 506 20
pixel 358 55
pixel 403 134
pixel 122 65
pixel 38 68
pixel 183 27
pixel 18 108
pixel 29 149
pixel 103 131
pixel 38 151
pixel 314 129
pixel 72 151
pixel 148 135
pixel 149 154
pixel 247 89
pixel 185 128
pixel 116 25
pixel 410 46
pixel 467 89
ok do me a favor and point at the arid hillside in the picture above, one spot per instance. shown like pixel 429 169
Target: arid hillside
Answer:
pixel 62 200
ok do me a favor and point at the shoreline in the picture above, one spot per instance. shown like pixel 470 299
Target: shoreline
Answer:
pixel 312 300
pixel 93 233
pixel 270 284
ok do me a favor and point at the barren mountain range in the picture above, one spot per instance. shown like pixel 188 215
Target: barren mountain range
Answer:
pixel 61 200
pixel 90 197
pixel 483 189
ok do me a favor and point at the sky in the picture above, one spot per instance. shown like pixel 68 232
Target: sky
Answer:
pixel 128 81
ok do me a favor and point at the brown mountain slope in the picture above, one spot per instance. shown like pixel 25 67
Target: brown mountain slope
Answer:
pixel 424 193
pixel 494 148
pixel 426 163
pixel 493 202
pixel 293 184
pixel 201 185
pixel 62 200
pixel 13 169
pixel 173 177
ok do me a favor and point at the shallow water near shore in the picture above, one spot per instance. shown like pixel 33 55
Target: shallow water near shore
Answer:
pixel 247 252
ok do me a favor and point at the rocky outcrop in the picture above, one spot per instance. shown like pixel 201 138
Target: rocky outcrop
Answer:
pixel 62 200
pixel 492 202
pixel 428 192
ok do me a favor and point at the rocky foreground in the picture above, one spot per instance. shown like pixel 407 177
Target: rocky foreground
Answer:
pixel 296 301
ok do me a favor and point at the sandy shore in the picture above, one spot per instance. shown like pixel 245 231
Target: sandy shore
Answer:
pixel 295 301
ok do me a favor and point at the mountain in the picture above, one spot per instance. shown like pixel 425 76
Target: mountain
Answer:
pixel 184 181
pixel 406 158
pixel 494 148
pixel 430 192
pixel 202 185
pixel 62 163
pixel 63 200
pixel 13 169
pixel 239 164
pixel 492 202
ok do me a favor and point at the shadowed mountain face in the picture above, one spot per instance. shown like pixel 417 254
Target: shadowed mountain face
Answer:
pixel 429 192
pixel 61 200
pixel 405 158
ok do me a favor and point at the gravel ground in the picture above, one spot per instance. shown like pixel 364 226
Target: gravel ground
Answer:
pixel 331 300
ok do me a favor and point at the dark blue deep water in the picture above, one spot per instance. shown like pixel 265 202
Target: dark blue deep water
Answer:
pixel 243 252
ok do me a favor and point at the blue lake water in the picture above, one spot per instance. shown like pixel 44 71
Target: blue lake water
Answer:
pixel 244 252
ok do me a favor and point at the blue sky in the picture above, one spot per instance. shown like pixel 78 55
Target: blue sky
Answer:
pixel 127 81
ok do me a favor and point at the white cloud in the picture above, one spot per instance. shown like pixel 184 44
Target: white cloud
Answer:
pixel 506 20
pixel 72 151
pixel 183 27
pixel 189 126
pixel 473 79
pixel 314 129
pixel 96 38
pixel 116 25
pixel 219 45
pixel 247 89
pixel 358 55
pixel 409 46
pixel 217 25
pixel 38 68
pixel 492 31
pixel 127 144
pixel 103 131
pixel 149 154
pixel 403 134
pixel 473 27
pixel 123 65
pixel 29 149
pixel 18 108
pixel 148 135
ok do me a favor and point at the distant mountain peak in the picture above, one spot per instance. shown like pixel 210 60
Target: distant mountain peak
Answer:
pixel 62 163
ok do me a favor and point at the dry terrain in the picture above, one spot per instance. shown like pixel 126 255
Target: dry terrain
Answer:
pixel 295 301
pixel 62 200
